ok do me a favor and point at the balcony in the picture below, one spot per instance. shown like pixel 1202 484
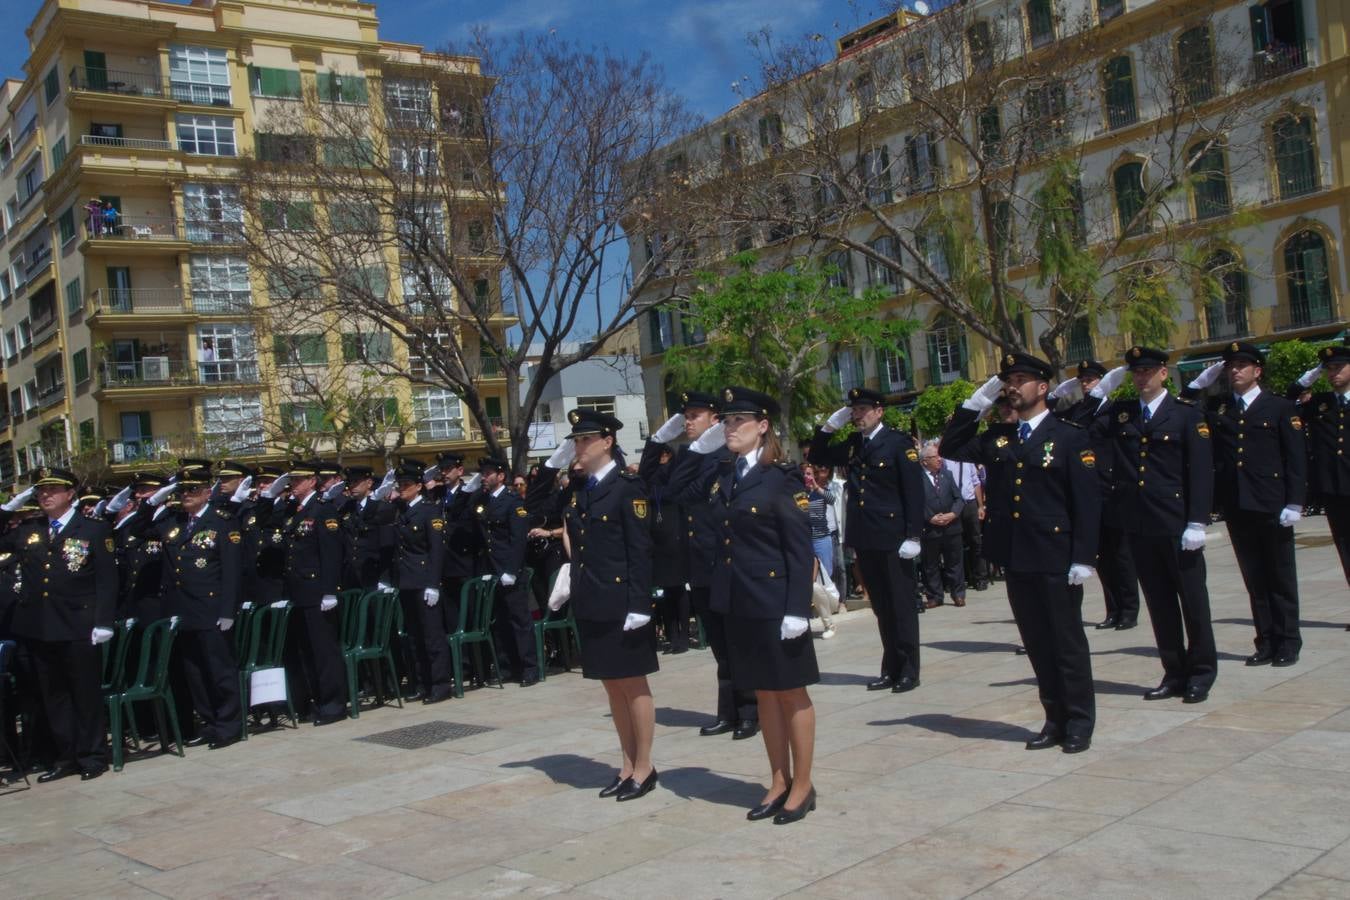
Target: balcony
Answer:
pixel 112 81
pixel 145 449
pixel 1120 114
pixel 410 119
pixel 1311 314
pixel 235 371
pixel 213 231
pixel 1296 181
pixel 124 143
pixel 1215 326
pixel 1279 59
pixel 200 94
pixel 138 302
pixel 51 395
pixel 222 302
pixel 147 372
pixel 135 229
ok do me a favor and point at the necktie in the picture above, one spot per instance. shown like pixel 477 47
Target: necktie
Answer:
pixel 1345 401
pixel 1024 431
pixel 742 466
pixel 592 482
pixel 191 526
pixel 56 528
pixel 1242 405
pixel 1148 413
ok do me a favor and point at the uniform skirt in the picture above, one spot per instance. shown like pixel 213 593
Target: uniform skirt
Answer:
pixel 607 651
pixel 762 661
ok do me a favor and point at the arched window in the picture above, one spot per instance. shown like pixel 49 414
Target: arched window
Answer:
pixel 1079 342
pixel 1295 159
pixel 1196 57
pixel 947 354
pixel 1128 184
pixel 1225 311
pixel 1209 179
pixel 1306 273
pixel 1118 93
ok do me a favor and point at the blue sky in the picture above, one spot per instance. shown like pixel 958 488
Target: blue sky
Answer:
pixel 700 43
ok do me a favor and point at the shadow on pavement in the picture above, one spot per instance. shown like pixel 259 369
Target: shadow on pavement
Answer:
pixel 569 769
pixel 961 727
pixel 1101 687
pixel 680 718
pixel 845 678
pixel 972 646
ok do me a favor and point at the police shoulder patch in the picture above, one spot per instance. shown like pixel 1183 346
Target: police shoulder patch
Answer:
pixel 1296 422
pixel 803 502
pixel 1202 429
pixel 1088 458
pixel 912 455
pixel 437 524
pixel 108 544
pixel 331 524
pixel 522 511
pixel 235 537
pixel 640 508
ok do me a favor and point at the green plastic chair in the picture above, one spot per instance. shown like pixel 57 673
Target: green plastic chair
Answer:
pixel 151 683
pixel 557 621
pixel 475 627
pixel 242 617
pixel 114 655
pixel 264 647
pixel 349 606
pixel 373 641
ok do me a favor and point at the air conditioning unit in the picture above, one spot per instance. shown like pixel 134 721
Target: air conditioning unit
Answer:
pixel 155 368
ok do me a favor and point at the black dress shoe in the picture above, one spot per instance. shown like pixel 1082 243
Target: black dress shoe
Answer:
pixel 631 790
pixel 1108 622
pixel 529 681
pixel 91 774
pixel 745 730
pixel 200 740
pixel 613 786
pixel 906 684
pixel 1127 624
pixel 1285 659
pixel 1163 691
pixel 765 810
pixel 721 726
pixel 321 720
pixel 438 695
pixel 1075 744
pixel 676 651
pixel 984 586
pixel 1043 741
pixel 1196 695
pixel 56 774
pixel 880 684
pixel 1261 658
pixel 223 742
pixel 788 816
pixel 413 697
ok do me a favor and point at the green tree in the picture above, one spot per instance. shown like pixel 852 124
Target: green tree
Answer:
pixel 936 405
pixel 1286 361
pixel 773 330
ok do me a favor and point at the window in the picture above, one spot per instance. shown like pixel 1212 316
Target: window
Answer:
pixel 336 88
pixel 353 217
pixel 1209 180
pixel 74 298
pixel 305 417
pixel 916 68
pixel 731 151
pixel 30 182
pixel 829 198
pixel 220 283
pixel 212 212
pixel 1106 11
pixel 1040 22
pixel 227 352
pixel 1118 93
pixel 1128 184
pixel 364 283
pixel 52 85
pixel 921 157
pixel 372 412
pixel 1278 37
pixel 1226 310
pixel 284 148
pixel 423 352
pixel 771 133
pixel 1295 159
pixel 348 153
pixel 206 135
pixel 58 153
pixel 892 371
pixel 199 75
pixel 1046 115
pixel 865 94
pixel 287 215
pixel 1195 55
pixel 425 288
pixel 412 159
pixel 1079 343
pixel 846 369
pixel 407 103
pixel 878 274
pixel 660 329
pixel 1306 275
pixel 265 82
pixel 232 423
pixel 989 130
pixel 437 412
pixel 300 349
pixel 876 172
pixel 946 350
pixel 597 404
pixel 88 434
pixel 65 225
pixel 11 342
pixel 375 346
pixel 980 46
pixel 79 366
pixel 25 334
pixel 930 247
pixel 295 283
pixel 838 269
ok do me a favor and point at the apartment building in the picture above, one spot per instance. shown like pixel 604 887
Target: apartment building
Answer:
pixel 1273 226
pixel 134 328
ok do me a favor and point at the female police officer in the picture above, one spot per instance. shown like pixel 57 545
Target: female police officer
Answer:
pixel 762 587
pixel 608 538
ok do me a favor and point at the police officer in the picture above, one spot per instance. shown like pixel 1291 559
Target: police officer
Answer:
pixel 313 567
pixel 504 522
pixel 368 532
pixel 668 543
pixel 1044 514
pixel 1164 487
pixel 462 539
pixel 1326 420
pixel 419 533
pixel 762 587
pixel 1260 485
pixel 140 556
pixel 885 524
pixel 262 519
pixel 68 605
pixel 201 548
pixel 234 483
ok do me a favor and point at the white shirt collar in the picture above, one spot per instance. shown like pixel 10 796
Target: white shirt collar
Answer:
pixel 1344 393
pixel 498 491
pixel 873 433
pixel 305 502
pixel 1153 407
pixel 414 501
pixel 604 472
pixel 65 519
pixel 752 458
pixel 1250 396
pixel 201 512
pixel 1035 421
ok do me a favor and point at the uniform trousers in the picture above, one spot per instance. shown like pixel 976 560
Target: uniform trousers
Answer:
pixel 1265 555
pixel 1338 517
pixel 942 566
pixel 674 605
pixel 732 705
pixel 891 585
pixel 429 625
pixel 212 677
pixel 972 540
pixel 1178 606
pixel 1116 569
pixel 70 679
pixel 515 629
pixel 313 643
pixel 1049 616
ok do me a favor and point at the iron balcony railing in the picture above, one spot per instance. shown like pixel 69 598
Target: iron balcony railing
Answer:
pixel 114 81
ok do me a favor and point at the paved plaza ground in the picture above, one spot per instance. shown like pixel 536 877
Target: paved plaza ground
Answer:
pixel 927 794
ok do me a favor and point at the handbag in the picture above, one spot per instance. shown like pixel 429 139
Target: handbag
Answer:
pixel 823 591
pixel 562 588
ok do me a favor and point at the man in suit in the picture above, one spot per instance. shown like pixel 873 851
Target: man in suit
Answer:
pixel 1044 514
pixel 885 525
pixel 941 559
pixel 1326 421
pixel 201 549
pixel 67 608
pixel 1164 487
pixel 504 523
pixel 1260 485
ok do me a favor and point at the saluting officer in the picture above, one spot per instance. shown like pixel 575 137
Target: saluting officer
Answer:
pixel 1326 420
pixel 313 567
pixel 140 556
pixel 201 547
pixel 668 542
pixel 67 608
pixel 462 539
pixel 1260 484
pixel 234 485
pixel 419 534
pixel 1164 488
pixel 368 532
pixel 262 522
pixel 885 524
pixel 1044 514
pixel 504 524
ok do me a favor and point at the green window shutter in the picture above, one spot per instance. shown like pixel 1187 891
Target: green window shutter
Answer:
pixel 87 434
pixel 351 347
pixel 493 405
pixel 883 375
pixel 145 423
pixel 390 405
pixel 79 365
pixel 287 411
pixel 380 347
pixel 74 297
pixel 58 153
pixel 281 348
pixel 324 86
pixel 1257 14
pixel 354 90
pixel 66 224
pixel 52 83
pixel 312 348
pixel 270 211
pixel 300 216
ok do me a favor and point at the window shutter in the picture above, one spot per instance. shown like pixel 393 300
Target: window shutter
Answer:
pixel 1257 14
pixel 883 373
pixel 281 348
pixel 145 424
pixel 390 408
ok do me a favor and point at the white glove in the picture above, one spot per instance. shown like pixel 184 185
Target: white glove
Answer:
pixel 99 507
pixel 1193 538
pixel 563 456
pixel 280 604
pixel 246 605
pixel 431 473
pixel 120 500
pixel 335 491
pixel 508 580
pixel 278 487
pixel 1066 388
pixel 381 586
pixel 1308 378
pixel 1110 381
pixel 1207 377
pixel 241 493
pixel 431 596
pixel 131 622
pixel 224 624
pixel 17 500
pixel 1079 573
pixel 328 603
pixel 100 636
pixel 668 432
pixel 562 588
pixel 159 496
pixel 634 621
pixel 1289 515
pixel 792 627
pixel 173 622
pixel 909 549
pixel 473 483
pixel 710 440
pixel 838 419
pixel 984 397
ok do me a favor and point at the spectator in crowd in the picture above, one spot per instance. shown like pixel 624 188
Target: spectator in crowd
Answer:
pixel 940 559
pixel 969 478
pixel 94 211
pixel 820 503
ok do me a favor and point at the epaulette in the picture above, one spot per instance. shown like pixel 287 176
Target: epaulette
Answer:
pixel 630 476
pixel 1186 400
pixel 1071 424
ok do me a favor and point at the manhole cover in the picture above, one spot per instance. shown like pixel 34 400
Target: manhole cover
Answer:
pixel 414 737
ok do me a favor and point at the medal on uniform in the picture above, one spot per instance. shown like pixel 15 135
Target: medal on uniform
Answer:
pixel 1223 408
pixel 1123 418
pixel 174 533
pixel 200 562
pixel 1047 454
pixel 1000 442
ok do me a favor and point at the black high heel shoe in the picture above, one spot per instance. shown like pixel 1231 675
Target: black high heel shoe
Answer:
pixel 788 816
pixel 614 786
pixel 765 810
pixel 631 790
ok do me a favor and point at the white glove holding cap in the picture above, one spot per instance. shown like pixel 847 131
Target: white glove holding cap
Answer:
pixel 634 621
pixel 1110 381
pixel 224 624
pixel 1309 378
pixel 668 432
pixel 328 603
pixel 100 636
pixel 1079 573
pixel 909 549
pixel 712 439
pixel 1289 515
pixel 792 627
pixel 562 588
pixel 431 596
pixel 1193 538
pixel 17 500
pixel 1207 377
pixel 984 396
pixel 838 419
pixel 120 500
pixel 563 456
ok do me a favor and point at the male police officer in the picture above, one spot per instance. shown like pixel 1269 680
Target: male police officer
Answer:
pixel 885 525
pixel 462 539
pixel 1044 513
pixel 420 533
pixel 504 523
pixel 1326 419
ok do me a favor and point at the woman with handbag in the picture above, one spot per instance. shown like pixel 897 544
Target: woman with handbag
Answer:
pixel 824 595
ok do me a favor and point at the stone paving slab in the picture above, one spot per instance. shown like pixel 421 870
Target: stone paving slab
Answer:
pixel 929 794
